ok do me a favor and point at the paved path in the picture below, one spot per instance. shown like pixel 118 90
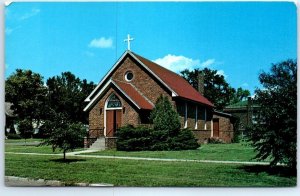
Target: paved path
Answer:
pixel 80 154
pixel 14 181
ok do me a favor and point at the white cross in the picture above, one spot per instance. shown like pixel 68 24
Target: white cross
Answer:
pixel 128 41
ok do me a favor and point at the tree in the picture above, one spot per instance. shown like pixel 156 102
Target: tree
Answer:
pixel 240 95
pixel 216 89
pixel 26 91
pixel 63 134
pixel 66 95
pixel 167 134
pixel 275 133
pixel 163 116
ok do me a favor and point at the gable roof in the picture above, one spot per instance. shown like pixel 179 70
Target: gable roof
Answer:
pixel 177 83
pixel 128 91
pixel 172 81
pixel 136 96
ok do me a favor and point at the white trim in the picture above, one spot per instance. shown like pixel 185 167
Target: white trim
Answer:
pixel 126 95
pixel 174 94
pixel 95 98
pixel 196 118
pixel 212 128
pixel 105 77
pixel 105 109
pixel 205 119
pixel 185 115
pixel 103 89
pixel 118 108
pixel 126 74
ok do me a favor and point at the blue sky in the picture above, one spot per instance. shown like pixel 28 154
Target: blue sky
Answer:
pixel 237 39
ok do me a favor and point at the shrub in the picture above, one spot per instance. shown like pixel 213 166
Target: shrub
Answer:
pixel 13 136
pixel 142 138
pixel 185 140
pixel 133 139
pixel 215 141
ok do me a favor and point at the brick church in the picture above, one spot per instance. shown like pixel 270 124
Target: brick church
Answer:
pixel 128 93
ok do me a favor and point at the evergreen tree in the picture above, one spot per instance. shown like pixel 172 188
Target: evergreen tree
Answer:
pixel 275 133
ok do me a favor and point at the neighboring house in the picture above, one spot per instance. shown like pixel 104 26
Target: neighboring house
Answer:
pixel 129 91
pixel 245 111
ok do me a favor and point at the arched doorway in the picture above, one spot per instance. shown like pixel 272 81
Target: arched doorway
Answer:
pixel 113 114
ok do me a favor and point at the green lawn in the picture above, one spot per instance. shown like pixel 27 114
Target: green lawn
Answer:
pixel 222 152
pixel 149 173
pixel 31 146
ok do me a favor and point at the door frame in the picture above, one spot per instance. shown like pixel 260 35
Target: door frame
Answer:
pixel 216 120
pixel 105 109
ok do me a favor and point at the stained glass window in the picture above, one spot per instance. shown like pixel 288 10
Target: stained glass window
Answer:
pixel 113 102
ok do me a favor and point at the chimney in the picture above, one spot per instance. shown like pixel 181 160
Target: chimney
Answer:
pixel 201 82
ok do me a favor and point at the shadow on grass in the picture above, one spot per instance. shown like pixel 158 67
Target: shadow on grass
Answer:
pixel 276 170
pixel 61 160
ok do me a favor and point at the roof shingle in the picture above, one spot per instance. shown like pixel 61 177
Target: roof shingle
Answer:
pixel 134 95
pixel 175 82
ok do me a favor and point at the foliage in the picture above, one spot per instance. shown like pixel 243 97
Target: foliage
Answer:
pixel 185 140
pixel 25 128
pixel 166 134
pixel 66 95
pixel 133 139
pixel 26 91
pixel 240 95
pixel 216 89
pixel 164 117
pixel 63 134
pixel 13 136
pixel 275 133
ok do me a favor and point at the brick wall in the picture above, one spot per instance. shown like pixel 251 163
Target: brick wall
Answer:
pixel 142 80
pixel 202 135
pixel 96 114
pixel 225 128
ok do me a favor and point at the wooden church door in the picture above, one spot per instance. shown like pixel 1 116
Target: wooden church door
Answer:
pixel 113 122
pixel 113 115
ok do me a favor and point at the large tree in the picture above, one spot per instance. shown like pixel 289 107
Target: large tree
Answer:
pixel 216 89
pixel 275 133
pixel 66 95
pixel 26 91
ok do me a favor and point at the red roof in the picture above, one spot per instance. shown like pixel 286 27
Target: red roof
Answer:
pixel 177 83
pixel 134 95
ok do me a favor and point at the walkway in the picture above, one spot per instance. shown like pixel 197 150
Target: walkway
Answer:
pixel 81 154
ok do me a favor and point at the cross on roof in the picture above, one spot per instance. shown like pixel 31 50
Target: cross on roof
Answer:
pixel 128 41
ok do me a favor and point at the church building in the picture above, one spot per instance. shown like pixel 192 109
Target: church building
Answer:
pixel 129 91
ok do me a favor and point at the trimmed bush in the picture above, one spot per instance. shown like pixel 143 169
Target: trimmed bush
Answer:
pixel 133 139
pixel 142 138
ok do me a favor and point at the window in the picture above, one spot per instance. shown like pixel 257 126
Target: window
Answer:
pixel 128 76
pixel 113 102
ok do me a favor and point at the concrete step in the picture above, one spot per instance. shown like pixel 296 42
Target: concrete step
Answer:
pixel 99 144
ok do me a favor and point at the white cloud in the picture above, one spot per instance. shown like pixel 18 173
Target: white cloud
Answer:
pixel 101 43
pixel 179 63
pixel 222 73
pixel 30 14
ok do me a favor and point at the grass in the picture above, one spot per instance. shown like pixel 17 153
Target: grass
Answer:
pixel 121 172
pixel 31 146
pixel 221 152
pixel 142 173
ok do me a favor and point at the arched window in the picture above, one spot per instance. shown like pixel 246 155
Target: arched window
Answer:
pixel 113 102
